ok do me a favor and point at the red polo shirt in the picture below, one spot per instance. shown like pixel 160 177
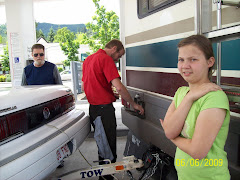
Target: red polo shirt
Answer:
pixel 99 70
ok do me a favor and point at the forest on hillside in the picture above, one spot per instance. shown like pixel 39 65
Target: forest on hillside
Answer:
pixel 72 27
pixel 45 27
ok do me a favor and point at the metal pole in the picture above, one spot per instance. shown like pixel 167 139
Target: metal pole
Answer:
pixel 122 37
pixel 73 70
pixel 198 19
pixel 219 46
pixel 219 15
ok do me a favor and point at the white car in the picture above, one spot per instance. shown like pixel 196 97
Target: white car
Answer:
pixel 39 126
pixel 66 75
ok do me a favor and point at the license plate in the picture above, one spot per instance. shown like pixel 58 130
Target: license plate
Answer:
pixel 63 152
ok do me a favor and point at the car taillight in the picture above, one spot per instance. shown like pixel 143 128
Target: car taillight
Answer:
pixel 67 103
pixel 17 122
pixel 13 124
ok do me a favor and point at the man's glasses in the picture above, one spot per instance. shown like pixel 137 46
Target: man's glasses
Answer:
pixel 40 54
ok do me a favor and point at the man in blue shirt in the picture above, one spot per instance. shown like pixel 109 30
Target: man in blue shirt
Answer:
pixel 40 72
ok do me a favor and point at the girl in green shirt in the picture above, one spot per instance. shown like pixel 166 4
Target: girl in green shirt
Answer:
pixel 197 120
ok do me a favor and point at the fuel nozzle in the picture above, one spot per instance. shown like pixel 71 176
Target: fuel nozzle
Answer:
pixel 137 100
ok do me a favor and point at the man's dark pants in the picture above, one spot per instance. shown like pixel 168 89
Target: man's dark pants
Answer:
pixel 107 113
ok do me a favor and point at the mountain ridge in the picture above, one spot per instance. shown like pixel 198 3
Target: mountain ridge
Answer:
pixel 45 27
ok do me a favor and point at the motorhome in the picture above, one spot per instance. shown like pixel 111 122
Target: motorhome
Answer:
pixel 151 30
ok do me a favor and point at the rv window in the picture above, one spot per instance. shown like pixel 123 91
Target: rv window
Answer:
pixel 147 7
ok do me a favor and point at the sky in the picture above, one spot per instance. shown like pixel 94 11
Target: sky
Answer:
pixel 66 11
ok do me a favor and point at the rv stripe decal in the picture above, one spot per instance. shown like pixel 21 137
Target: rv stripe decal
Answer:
pixel 165 83
pixel 231 55
pixel 162 83
pixel 164 55
pixel 224 73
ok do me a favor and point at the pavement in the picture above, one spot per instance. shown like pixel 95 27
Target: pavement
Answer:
pixel 5 86
pixel 89 150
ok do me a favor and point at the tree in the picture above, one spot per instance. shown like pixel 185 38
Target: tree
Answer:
pixel 68 43
pixel 51 35
pixel 83 29
pixel 37 32
pixel 40 34
pixel 5 59
pixel 60 35
pixel 3 34
pixel 105 27
pixel 80 37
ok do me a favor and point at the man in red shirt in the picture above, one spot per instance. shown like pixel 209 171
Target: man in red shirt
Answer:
pixel 99 75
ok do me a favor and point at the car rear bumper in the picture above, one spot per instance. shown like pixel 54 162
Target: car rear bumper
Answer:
pixel 33 155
